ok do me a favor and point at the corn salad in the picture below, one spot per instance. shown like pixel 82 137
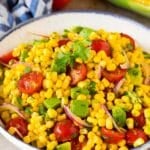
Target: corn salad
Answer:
pixel 84 89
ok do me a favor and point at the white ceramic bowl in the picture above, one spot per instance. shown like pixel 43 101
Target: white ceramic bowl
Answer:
pixel 59 22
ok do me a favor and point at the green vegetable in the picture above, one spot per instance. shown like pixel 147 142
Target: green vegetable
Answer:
pixel 24 55
pixel 80 108
pixel 77 90
pixel 85 32
pixel 119 116
pixel 64 146
pixel 52 102
pixel 42 110
pixel 135 75
pixel 92 87
pixel 27 69
pixel 28 110
pixel 133 97
pixel 146 55
pixel 19 101
pixel 80 50
pixel 139 7
pixel 61 61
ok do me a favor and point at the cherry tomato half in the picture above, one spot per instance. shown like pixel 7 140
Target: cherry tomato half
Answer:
pixel 114 76
pixel 59 4
pixel 140 120
pixel 101 45
pixel 65 130
pixel 130 38
pixel 63 42
pixel 133 134
pixel 30 82
pixel 111 136
pixel 20 124
pixel 7 57
pixel 78 73
pixel 76 145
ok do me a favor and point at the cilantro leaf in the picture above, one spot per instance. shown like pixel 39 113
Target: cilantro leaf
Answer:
pixel 80 50
pixel 60 62
pixel 92 87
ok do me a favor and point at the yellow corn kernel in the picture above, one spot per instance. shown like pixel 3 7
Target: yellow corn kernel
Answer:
pixel 93 36
pixel 110 96
pixel 59 93
pixel 47 84
pixel 97 59
pixel 147 129
pixel 105 82
pixel 95 129
pixel 102 63
pixel 123 148
pixel 113 147
pixel 138 142
pixel 52 137
pixel 66 83
pixel 52 113
pixel 109 124
pixel 137 106
pixel 14 115
pixel 54 76
pixel 92 120
pixel 101 122
pixel 135 113
pixel 81 97
pixel 12 130
pixel 58 84
pixel 5 115
pixel 147 113
pixel 64 101
pixel 111 67
pixel 27 139
pixel 61 117
pixel 122 143
pixel 51 145
pixel 49 124
pixel 98 147
pixel 48 93
pixel 81 138
pixel 130 123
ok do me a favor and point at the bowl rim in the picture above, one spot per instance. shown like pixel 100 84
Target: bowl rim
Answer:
pixel 133 21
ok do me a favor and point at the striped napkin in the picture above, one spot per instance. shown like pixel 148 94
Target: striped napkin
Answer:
pixel 13 12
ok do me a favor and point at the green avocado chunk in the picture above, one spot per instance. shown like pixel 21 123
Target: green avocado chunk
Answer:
pixel 52 102
pixel 119 116
pixel 64 146
pixel 80 108
pixel 133 5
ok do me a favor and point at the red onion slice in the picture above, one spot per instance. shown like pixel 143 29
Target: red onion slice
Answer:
pixel 118 85
pixel 74 118
pixel 18 133
pixel 114 123
pixel 12 108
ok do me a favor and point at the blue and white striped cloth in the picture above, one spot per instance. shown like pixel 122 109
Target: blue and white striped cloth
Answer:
pixel 13 12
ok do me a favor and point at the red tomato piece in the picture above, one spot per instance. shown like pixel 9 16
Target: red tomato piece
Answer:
pixel 130 38
pixel 133 134
pixel 30 82
pixel 78 73
pixel 59 4
pixel 101 45
pixel 7 57
pixel 76 145
pixel 111 136
pixel 63 42
pixel 65 130
pixel 140 120
pixel 20 124
pixel 113 76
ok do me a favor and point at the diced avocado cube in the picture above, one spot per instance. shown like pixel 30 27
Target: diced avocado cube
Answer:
pixel 85 32
pixel 52 102
pixel 80 108
pixel 64 146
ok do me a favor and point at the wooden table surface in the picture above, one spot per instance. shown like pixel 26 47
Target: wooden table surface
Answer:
pixel 103 5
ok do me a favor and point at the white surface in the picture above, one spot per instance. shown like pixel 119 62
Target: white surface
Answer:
pixel 58 22
pixel 6 145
